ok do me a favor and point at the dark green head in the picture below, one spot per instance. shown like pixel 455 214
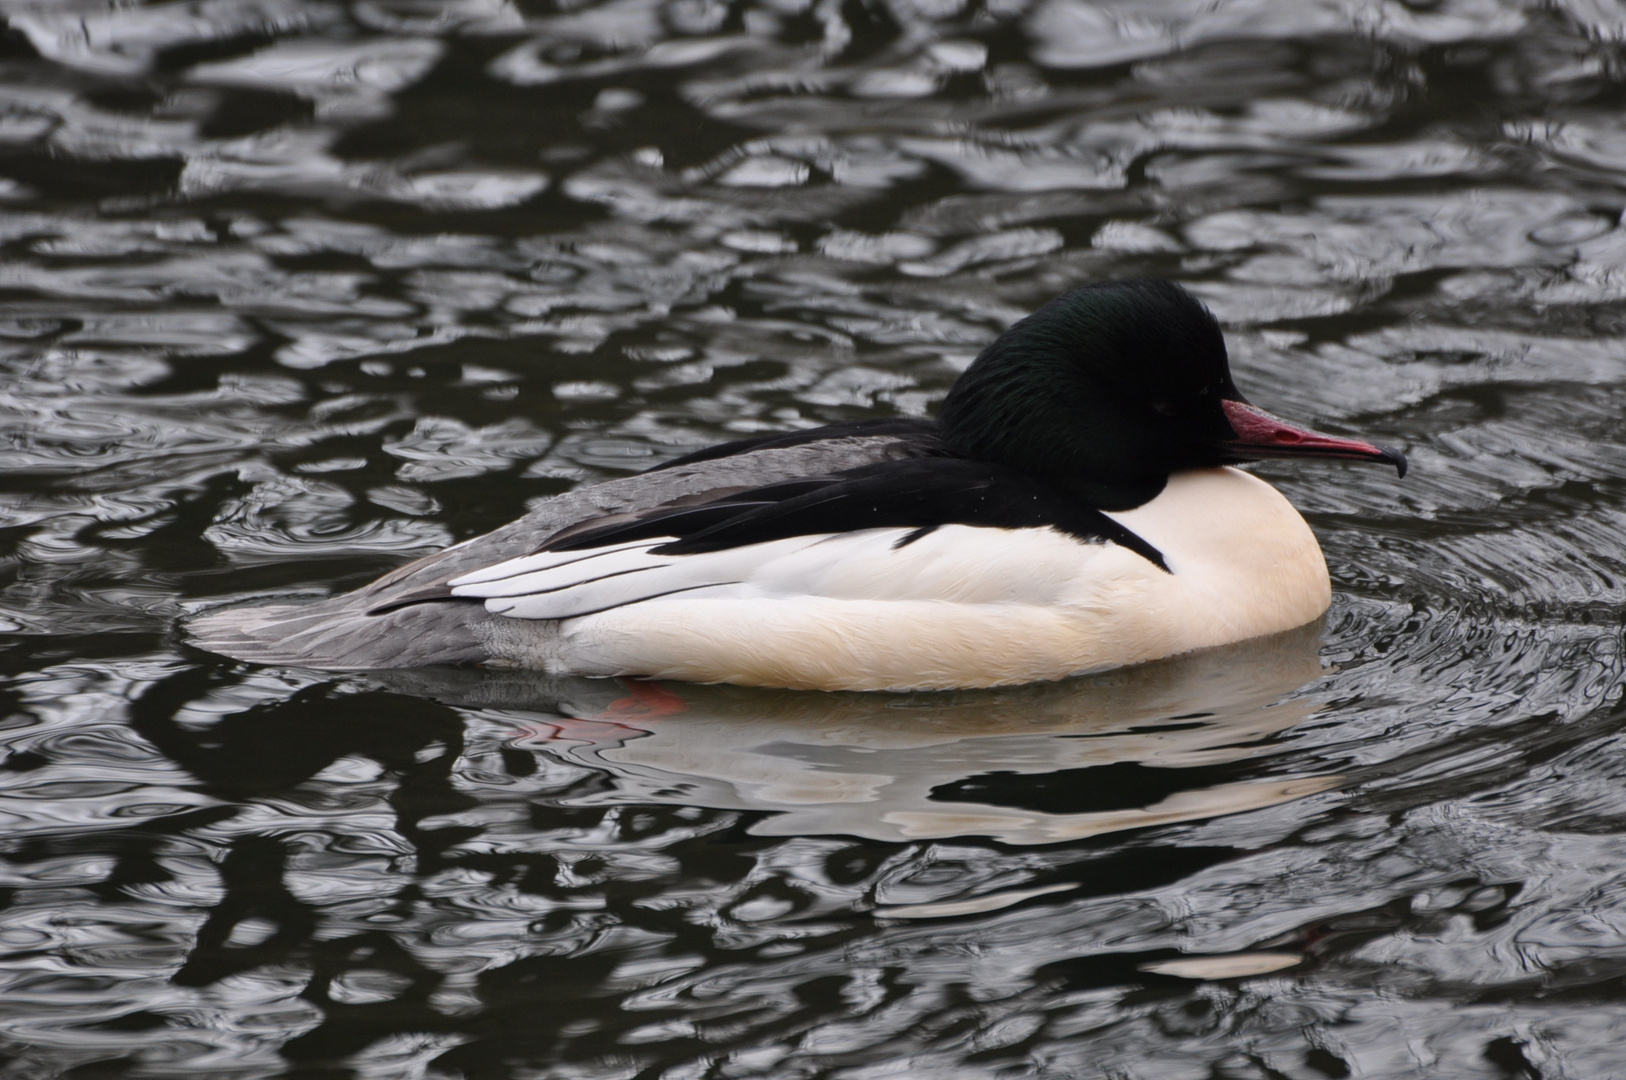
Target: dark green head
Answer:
pixel 1108 389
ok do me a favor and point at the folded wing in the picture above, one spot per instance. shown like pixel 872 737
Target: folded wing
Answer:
pixel 845 534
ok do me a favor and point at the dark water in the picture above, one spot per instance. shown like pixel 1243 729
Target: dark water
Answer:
pixel 290 292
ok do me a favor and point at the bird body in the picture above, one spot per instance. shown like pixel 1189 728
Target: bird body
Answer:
pixel 961 607
pixel 1072 510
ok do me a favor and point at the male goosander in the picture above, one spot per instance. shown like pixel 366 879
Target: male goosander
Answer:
pixel 1072 509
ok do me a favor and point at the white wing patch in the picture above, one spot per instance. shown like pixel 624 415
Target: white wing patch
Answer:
pixel 545 560
pixel 957 563
pixel 570 584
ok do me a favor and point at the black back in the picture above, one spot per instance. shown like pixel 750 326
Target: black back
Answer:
pixel 922 434
pixel 919 494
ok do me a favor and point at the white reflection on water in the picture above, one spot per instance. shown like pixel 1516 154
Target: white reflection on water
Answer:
pixel 911 766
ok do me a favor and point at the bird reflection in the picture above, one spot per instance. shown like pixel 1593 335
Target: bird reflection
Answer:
pixel 1168 742
pixel 1150 745
pixel 266 749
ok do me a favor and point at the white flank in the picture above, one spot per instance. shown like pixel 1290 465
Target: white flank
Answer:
pixel 960 607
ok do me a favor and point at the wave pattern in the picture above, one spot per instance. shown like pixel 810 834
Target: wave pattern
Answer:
pixel 292 292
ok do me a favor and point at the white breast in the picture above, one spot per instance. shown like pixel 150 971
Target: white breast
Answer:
pixel 960 607
pixel 1244 562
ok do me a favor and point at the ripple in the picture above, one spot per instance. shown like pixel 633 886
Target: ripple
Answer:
pixel 295 292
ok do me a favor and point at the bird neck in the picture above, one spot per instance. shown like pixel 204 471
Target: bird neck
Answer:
pixel 1039 416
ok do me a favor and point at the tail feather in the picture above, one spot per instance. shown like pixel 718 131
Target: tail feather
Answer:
pixel 339 633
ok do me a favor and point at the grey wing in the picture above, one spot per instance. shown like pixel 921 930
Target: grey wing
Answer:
pixel 377 626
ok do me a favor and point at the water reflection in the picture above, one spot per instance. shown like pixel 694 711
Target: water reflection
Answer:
pixel 349 863
pixel 1029 765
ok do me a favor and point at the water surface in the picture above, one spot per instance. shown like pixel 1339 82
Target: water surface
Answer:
pixel 291 292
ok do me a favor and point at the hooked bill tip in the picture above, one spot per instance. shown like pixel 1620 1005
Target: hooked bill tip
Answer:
pixel 1395 458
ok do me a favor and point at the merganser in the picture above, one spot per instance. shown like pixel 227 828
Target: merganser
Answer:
pixel 1072 509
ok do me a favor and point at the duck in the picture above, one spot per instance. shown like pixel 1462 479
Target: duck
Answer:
pixel 1076 506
